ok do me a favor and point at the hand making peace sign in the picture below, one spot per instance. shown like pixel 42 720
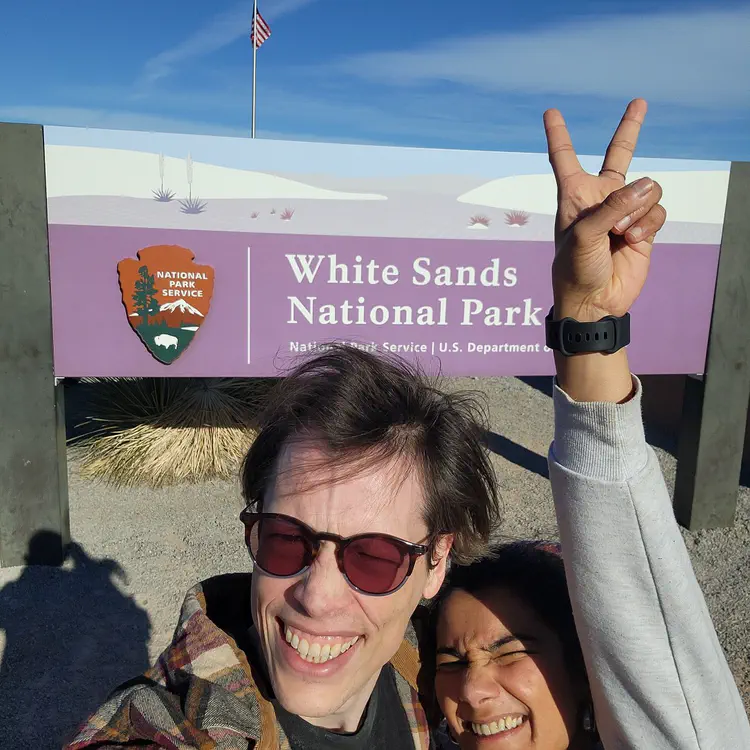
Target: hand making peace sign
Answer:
pixel 605 229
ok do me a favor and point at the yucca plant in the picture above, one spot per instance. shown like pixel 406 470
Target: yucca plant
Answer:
pixel 163 431
pixel 162 195
pixel 192 205
pixel 189 165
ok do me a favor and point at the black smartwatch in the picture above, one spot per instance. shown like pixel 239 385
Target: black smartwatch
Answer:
pixel 570 337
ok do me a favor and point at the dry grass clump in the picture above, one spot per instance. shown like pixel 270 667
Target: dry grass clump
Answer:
pixel 163 431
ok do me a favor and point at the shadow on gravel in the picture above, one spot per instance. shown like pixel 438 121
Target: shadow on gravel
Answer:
pixel 512 451
pixel 517 454
pixel 541 383
pixel 70 637
pixel 656 435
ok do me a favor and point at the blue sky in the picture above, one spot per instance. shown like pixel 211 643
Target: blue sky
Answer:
pixel 476 74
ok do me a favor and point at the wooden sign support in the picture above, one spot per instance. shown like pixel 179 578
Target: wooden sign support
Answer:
pixel 712 433
pixel 33 472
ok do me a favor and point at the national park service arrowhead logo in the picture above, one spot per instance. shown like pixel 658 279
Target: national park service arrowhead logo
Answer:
pixel 167 297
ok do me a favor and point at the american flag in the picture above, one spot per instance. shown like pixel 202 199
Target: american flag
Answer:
pixel 263 31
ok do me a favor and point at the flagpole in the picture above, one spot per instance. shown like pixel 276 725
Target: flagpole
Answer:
pixel 255 59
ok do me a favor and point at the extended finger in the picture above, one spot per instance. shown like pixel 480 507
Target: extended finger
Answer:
pixel 562 155
pixel 647 226
pixel 621 209
pixel 622 146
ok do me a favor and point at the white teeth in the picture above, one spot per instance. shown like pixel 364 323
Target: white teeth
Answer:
pixel 317 653
pixel 314 653
pixel 496 727
pixel 347 646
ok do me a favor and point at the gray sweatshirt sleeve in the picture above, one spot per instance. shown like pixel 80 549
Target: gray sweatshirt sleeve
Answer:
pixel 659 678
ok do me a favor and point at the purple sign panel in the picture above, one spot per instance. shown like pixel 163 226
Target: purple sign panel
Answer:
pixel 184 255
pixel 457 305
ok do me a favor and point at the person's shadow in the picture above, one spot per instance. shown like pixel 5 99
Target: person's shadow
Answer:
pixel 71 636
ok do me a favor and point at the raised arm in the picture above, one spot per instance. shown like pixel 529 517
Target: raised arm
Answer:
pixel 658 675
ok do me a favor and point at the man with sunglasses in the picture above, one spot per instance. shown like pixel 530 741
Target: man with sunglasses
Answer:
pixel 360 482
pixel 363 480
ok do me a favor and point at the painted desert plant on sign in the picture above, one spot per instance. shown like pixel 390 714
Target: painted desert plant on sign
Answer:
pixel 479 221
pixel 189 169
pixel 192 205
pixel 516 218
pixel 162 195
pixel 287 214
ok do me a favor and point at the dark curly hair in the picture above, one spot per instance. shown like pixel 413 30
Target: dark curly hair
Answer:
pixel 535 573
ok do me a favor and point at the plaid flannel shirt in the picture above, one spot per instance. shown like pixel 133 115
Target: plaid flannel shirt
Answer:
pixel 204 694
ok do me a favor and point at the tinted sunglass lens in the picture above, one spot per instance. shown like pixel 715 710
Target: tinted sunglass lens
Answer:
pixel 279 547
pixel 376 565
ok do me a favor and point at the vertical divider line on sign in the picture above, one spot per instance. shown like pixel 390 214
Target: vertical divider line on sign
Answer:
pixel 248 304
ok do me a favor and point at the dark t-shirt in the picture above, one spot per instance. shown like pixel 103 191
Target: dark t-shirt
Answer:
pixel 385 726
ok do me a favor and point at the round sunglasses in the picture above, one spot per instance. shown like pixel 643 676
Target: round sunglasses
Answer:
pixel 284 547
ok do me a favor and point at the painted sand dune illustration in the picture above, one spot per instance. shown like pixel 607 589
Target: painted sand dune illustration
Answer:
pixel 420 216
pixel 691 197
pixel 433 184
pixel 88 171
pixel 112 185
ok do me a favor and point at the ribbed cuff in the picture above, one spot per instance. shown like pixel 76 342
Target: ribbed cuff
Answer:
pixel 604 441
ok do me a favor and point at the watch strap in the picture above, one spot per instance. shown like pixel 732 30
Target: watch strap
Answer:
pixel 568 336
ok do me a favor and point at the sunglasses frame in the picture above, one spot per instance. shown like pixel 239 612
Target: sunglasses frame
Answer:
pixel 316 538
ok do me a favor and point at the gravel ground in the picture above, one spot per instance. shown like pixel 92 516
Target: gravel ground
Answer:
pixel 68 635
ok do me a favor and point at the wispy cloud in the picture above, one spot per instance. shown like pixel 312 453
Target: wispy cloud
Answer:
pixel 695 58
pixel 88 117
pixel 223 29
pixel 472 119
pixel 485 92
pixel 112 119
pixel 458 120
